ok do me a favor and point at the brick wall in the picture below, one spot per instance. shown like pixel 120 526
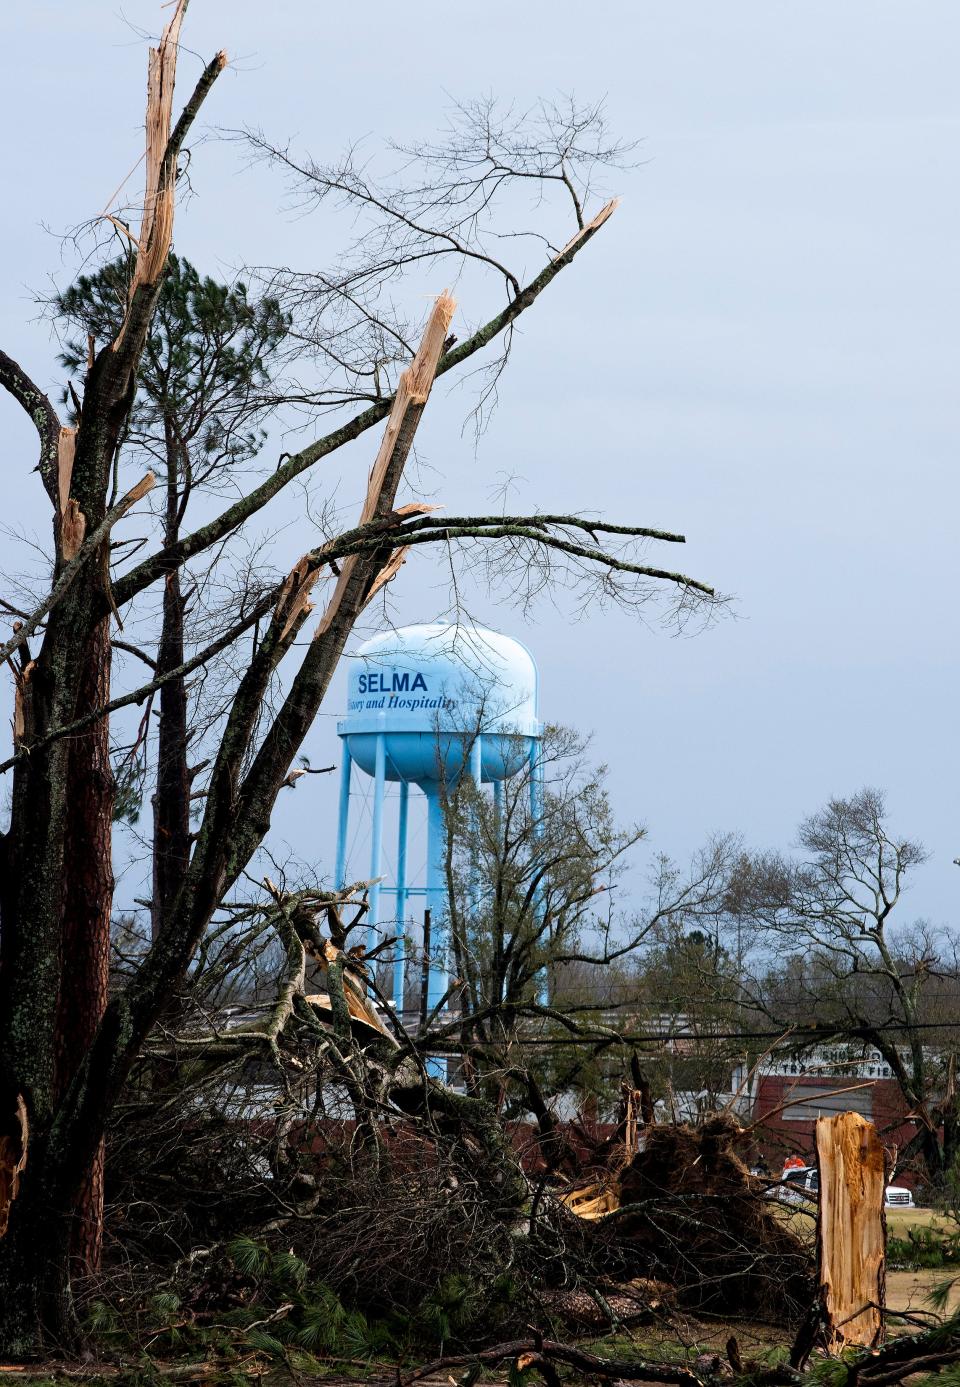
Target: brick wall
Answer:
pixel 790 1131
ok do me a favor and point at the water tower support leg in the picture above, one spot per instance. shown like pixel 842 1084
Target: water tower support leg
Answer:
pixel 536 830
pixel 376 840
pixel 536 788
pixel 401 897
pixel 476 775
pixel 346 764
pixel 437 902
pixel 437 896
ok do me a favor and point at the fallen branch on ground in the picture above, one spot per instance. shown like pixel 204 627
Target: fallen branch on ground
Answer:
pixel 542 1354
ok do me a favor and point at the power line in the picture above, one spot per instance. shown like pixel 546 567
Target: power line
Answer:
pixel 655 1037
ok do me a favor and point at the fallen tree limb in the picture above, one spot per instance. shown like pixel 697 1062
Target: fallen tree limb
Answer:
pixel 526 1353
pixel 928 1351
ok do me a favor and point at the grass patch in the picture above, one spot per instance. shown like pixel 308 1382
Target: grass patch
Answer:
pixel 924 1247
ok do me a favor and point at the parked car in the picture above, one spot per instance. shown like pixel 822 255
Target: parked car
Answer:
pixel 800 1184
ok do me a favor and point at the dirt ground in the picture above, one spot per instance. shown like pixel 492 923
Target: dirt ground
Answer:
pixel 906 1291
pixel 910 1290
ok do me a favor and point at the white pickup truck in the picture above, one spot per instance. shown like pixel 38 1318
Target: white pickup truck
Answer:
pixel 802 1182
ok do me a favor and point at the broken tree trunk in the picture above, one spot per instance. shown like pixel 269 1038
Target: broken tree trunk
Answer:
pixel 851 1230
pixel 56 878
pixel 87 908
pixel 14 1141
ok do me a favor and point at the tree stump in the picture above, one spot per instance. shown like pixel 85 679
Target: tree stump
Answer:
pixel 851 1230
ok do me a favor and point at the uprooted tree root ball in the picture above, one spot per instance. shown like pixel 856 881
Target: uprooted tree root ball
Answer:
pixel 691 1215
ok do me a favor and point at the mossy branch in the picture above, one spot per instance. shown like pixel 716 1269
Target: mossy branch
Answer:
pixel 42 415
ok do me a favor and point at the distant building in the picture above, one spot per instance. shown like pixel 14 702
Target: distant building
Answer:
pixel 788 1092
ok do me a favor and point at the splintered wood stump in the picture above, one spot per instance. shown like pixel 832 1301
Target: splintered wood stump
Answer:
pixel 851 1231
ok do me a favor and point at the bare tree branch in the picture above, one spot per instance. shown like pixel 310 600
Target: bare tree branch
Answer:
pixel 129 584
pixel 70 573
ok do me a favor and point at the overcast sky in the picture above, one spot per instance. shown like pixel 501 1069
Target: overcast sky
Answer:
pixel 759 350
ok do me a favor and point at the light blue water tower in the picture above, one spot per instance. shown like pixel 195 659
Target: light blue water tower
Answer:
pixel 426 706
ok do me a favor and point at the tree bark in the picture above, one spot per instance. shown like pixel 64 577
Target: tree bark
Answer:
pixel 57 891
pixel 171 801
pixel 87 910
pixel 35 1295
pixel 851 1232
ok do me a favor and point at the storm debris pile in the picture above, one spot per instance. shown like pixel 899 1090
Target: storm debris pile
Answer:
pixel 690 1214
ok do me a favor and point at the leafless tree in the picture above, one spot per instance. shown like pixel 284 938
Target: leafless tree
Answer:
pixel 851 966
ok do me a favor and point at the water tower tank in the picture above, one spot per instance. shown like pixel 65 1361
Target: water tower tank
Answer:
pixel 429 691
